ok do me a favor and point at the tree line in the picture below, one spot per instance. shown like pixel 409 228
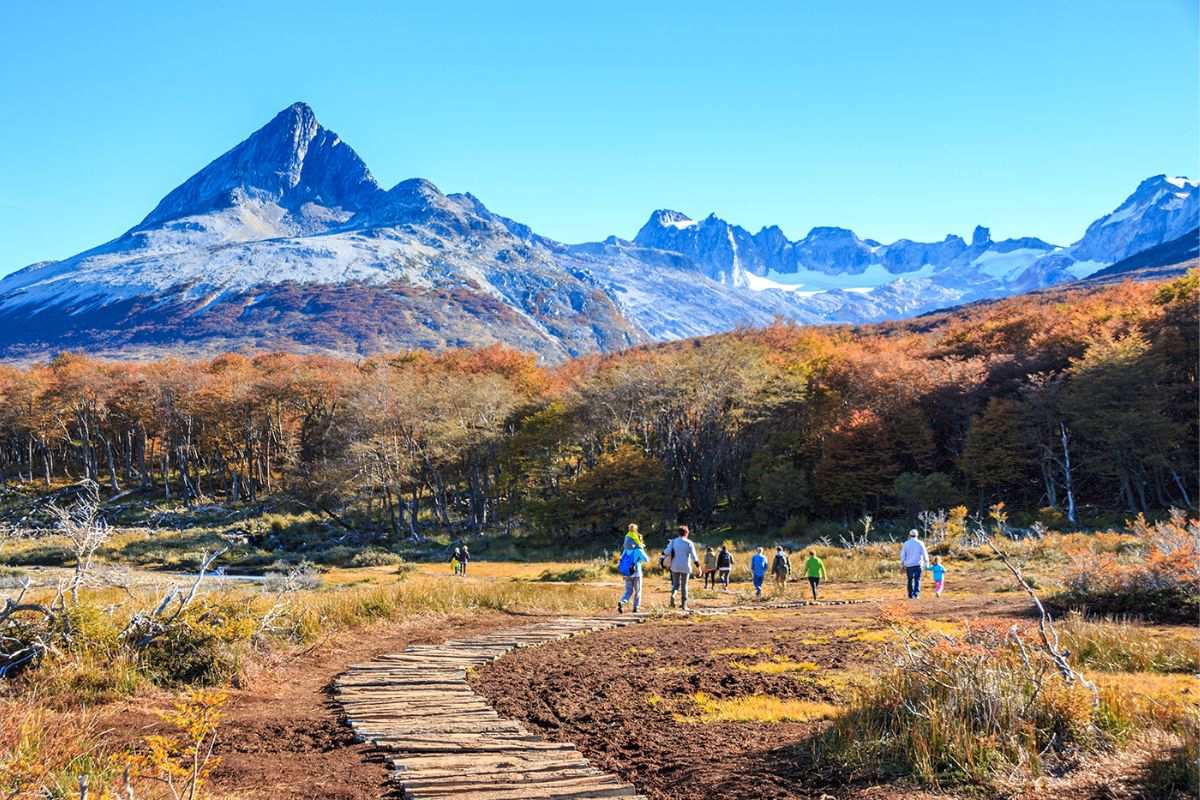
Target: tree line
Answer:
pixel 1061 400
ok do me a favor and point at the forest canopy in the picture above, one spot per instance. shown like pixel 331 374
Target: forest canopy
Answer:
pixel 1070 399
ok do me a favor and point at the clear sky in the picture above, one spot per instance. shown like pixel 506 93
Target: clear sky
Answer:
pixel 895 119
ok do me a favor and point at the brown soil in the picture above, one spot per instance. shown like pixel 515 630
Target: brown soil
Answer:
pixel 594 691
pixel 282 736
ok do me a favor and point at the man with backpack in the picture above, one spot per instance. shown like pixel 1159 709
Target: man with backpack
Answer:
pixel 630 567
pixel 781 567
pixel 724 567
pixel 679 558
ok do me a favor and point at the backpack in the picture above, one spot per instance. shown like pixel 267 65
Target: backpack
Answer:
pixel 628 564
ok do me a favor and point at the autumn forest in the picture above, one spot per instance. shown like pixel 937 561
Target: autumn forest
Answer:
pixel 1063 404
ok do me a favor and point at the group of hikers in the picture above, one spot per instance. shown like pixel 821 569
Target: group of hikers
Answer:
pixel 459 560
pixel 680 557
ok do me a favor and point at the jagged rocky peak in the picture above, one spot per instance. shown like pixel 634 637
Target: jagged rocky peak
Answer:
pixel 981 237
pixel 290 161
pixel 663 218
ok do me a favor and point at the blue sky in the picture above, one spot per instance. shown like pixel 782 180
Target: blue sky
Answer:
pixel 893 119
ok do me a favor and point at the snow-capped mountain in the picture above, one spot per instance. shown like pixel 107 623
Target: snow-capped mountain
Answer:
pixel 288 241
pixel 836 258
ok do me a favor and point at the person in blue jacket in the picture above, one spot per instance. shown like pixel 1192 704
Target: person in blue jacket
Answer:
pixel 630 567
pixel 758 570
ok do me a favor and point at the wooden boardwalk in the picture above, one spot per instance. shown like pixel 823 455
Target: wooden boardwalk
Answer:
pixel 446 741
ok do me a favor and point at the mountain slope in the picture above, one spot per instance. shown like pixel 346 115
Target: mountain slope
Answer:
pixel 1169 258
pixel 287 241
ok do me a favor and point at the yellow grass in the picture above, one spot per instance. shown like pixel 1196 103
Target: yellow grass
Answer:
pixel 748 652
pixel 778 665
pixel 761 708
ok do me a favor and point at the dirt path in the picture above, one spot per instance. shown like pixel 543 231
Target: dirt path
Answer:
pixel 283 737
pixel 628 698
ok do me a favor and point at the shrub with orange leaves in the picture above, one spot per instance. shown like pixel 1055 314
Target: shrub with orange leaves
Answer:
pixel 1164 585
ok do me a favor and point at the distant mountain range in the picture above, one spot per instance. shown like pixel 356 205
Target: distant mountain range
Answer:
pixel 287 241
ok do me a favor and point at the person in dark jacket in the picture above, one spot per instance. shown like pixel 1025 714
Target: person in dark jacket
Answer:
pixel 781 568
pixel 724 566
pixel 465 559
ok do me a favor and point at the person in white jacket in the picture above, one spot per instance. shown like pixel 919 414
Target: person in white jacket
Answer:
pixel 914 558
pixel 679 557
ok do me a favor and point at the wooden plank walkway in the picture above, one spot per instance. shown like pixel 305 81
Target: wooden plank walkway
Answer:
pixel 446 741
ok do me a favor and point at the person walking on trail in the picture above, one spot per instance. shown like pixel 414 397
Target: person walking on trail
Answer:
pixel 710 567
pixel 781 568
pixel 938 572
pixel 758 571
pixel 633 538
pixel 914 558
pixel 814 568
pixel 630 567
pixel 725 567
pixel 679 557
pixel 456 561
pixel 464 559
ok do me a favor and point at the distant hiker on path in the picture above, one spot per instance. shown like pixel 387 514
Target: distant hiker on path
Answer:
pixel 814 568
pixel 724 567
pixel 465 558
pixel 679 557
pixel 781 567
pixel 758 571
pixel 939 576
pixel 630 567
pixel 914 558
pixel 456 561
pixel 710 567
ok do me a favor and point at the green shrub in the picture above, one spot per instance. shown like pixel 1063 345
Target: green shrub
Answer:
pixel 206 647
pixel 374 557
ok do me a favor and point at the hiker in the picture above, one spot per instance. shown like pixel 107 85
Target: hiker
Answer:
pixel 781 567
pixel 758 571
pixel 914 558
pixel 724 567
pixel 630 567
pixel 710 568
pixel 456 561
pixel 679 557
pixel 814 567
pixel 939 576
pixel 633 538
pixel 465 558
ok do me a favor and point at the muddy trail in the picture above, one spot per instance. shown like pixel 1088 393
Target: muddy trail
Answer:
pixel 627 698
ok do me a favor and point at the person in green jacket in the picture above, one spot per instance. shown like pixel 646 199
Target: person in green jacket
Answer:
pixel 814 567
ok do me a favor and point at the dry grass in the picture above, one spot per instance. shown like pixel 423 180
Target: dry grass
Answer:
pixel 760 708
pixel 779 665
pixel 1129 647
pixel 43 753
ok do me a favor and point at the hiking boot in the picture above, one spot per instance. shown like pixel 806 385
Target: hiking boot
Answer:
pixel 620 608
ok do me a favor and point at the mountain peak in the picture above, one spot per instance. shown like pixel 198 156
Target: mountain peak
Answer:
pixel 290 161
pixel 981 236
